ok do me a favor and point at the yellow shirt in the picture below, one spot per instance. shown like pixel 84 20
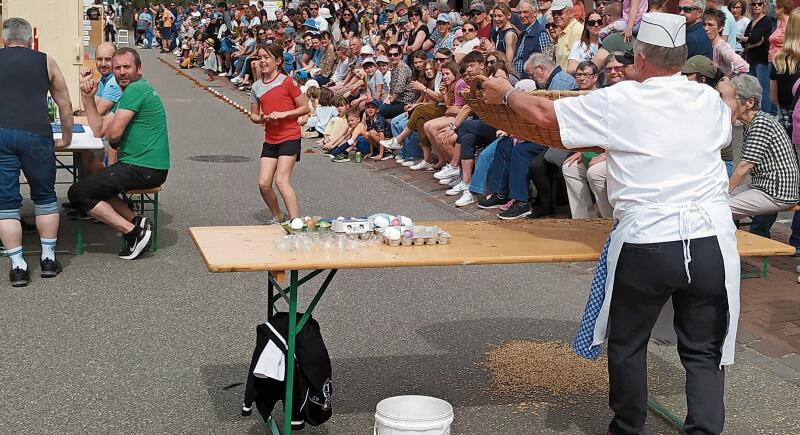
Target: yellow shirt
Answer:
pixel 566 39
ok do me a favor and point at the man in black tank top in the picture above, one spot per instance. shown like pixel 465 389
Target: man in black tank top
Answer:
pixel 26 141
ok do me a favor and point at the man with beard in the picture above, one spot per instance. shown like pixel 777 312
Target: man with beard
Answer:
pixel 137 127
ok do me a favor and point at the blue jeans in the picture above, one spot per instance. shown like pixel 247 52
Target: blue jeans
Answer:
pixel 362 146
pixel 35 155
pixel 729 167
pixel 481 172
pixel 509 171
pixel 794 239
pixel 473 134
pixel 761 72
pixel 149 35
pixel 411 149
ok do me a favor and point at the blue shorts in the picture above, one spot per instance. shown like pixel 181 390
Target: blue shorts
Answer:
pixel 35 155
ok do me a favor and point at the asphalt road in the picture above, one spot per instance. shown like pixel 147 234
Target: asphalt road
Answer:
pixel 157 345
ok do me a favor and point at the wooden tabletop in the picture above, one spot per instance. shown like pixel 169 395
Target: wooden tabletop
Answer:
pixel 250 248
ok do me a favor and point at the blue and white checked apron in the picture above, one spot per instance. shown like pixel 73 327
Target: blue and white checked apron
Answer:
pixel 582 343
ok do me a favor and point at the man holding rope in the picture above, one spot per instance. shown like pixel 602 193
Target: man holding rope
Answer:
pixel 673 236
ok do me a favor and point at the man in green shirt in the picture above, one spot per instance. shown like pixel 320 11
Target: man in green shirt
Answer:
pixel 137 127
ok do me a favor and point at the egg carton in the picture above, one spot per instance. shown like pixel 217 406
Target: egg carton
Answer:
pixel 442 238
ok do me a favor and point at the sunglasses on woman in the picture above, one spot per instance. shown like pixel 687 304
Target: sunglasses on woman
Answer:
pixel 594 22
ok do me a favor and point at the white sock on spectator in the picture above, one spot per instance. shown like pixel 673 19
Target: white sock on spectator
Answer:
pixel 16 258
pixel 48 249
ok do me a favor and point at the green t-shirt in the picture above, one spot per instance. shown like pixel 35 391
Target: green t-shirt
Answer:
pixel 144 142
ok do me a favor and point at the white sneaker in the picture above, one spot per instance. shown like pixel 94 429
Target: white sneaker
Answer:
pixel 457 189
pixel 466 199
pixel 422 165
pixel 391 144
pixel 237 80
pixel 409 163
pixel 448 171
pixel 454 181
pixel 399 160
pixel 447 181
pixel 222 74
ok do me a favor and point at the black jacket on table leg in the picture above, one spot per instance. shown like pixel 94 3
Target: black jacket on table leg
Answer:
pixel 313 388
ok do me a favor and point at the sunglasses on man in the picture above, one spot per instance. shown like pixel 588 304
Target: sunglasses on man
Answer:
pixel 688 9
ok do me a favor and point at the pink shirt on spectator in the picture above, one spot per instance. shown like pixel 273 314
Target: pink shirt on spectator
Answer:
pixel 727 60
pixel 776 40
pixel 458 100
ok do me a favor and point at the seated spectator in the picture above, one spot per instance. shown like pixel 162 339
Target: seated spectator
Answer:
pixel 767 156
pixel 442 37
pixel 585 48
pixel 376 129
pixel 700 69
pixel 335 76
pixel 471 41
pixel 138 128
pixel 336 127
pixel 354 138
pixel 400 91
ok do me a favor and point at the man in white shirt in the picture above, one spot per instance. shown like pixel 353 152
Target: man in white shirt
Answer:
pixel 673 236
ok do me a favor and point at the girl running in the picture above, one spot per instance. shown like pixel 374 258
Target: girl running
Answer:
pixel 277 102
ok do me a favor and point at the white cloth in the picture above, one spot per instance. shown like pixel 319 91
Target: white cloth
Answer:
pixel 271 363
pixel 322 24
pixel 741 26
pixel 581 51
pixel 466 47
pixel 665 183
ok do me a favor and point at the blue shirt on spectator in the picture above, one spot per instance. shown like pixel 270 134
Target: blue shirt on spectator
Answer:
pixel 560 80
pixel 108 89
pixel 697 41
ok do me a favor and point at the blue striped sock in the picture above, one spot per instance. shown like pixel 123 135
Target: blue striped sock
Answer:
pixel 16 258
pixel 48 249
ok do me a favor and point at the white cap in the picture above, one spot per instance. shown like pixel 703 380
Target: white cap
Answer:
pixel 367 50
pixel 663 30
pixel 559 5
pixel 525 85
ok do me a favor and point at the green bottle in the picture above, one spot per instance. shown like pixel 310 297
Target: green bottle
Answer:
pixel 51 109
pixel 358 156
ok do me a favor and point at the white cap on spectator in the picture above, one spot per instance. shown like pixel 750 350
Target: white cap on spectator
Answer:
pixel 368 60
pixel 309 84
pixel 560 5
pixel 663 30
pixel 367 50
pixel 381 58
pixel 525 85
pixel 325 13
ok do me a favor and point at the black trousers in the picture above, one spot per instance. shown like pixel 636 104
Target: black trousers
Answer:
pixel 111 181
pixel 646 276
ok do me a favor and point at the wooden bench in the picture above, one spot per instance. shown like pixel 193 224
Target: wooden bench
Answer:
pixel 141 198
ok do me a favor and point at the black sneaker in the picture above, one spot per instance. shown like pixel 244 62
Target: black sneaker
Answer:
pixel 140 221
pixel 134 246
pixel 537 212
pixel 494 200
pixel 19 277
pixel 50 268
pixel 519 209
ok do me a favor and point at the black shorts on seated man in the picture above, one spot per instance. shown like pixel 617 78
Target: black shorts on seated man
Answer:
pixel 137 127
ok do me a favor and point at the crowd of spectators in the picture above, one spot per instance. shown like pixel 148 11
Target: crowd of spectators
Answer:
pixel 387 80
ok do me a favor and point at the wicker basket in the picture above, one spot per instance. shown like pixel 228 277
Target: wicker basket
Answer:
pixel 506 119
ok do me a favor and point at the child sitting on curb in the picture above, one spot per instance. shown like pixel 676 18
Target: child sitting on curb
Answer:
pixel 353 138
pixel 336 127
pixel 376 130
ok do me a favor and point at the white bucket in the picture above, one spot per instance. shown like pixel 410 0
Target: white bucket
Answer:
pixel 418 415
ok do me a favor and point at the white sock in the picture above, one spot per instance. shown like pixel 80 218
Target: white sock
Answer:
pixel 16 258
pixel 48 249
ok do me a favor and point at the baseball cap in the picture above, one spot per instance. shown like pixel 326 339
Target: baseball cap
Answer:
pixel 402 20
pixel 368 60
pixel 443 18
pixel 289 31
pixel 560 5
pixel 625 58
pixel 700 64
pixel 381 58
pixel 477 7
pixel 390 7
pixel 375 102
pixel 309 22
pixel 616 42
pixel 367 50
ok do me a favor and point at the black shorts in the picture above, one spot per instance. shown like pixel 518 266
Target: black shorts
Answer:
pixel 290 147
pixel 111 181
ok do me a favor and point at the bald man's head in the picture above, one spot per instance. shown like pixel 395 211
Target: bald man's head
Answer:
pixel 102 57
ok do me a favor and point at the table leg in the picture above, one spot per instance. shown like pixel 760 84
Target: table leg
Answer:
pixel 288 398
pixel 270 299
pixel 76 175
